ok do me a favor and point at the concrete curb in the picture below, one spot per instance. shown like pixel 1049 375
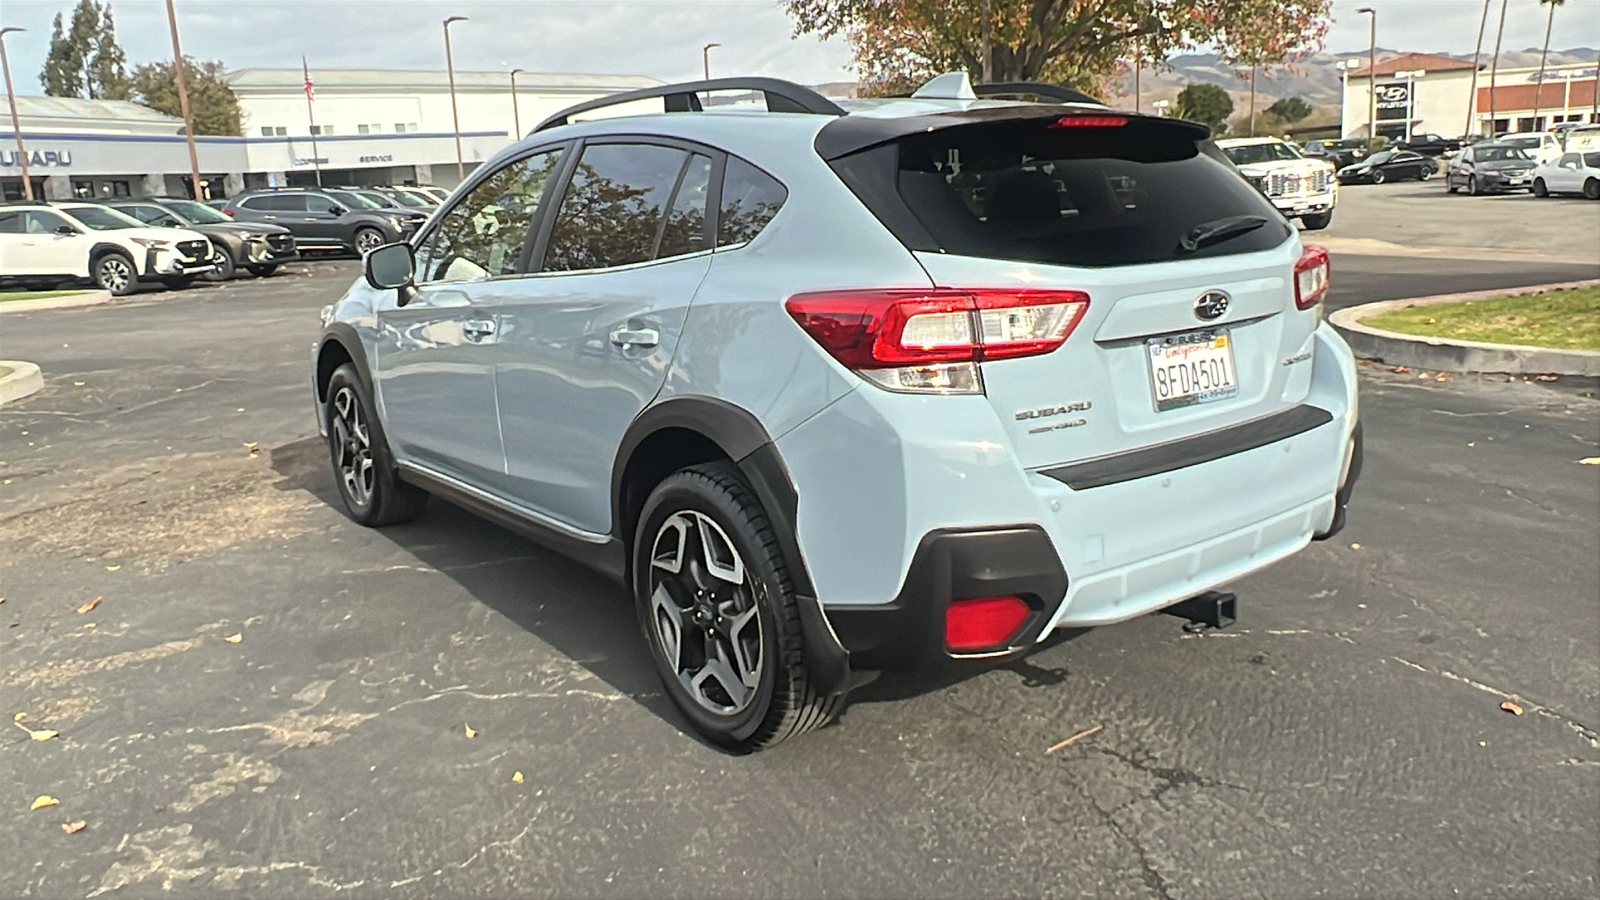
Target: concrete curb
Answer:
pixel 1460 356
pixel 22 380
pixel 83 298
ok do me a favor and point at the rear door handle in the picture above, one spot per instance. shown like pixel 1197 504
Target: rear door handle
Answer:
pixel 477 329
pixel 625 337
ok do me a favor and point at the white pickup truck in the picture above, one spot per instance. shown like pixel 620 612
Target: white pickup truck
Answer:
pixel 1300 187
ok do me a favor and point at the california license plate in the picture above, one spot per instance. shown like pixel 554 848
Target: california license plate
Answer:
pixel 1191 368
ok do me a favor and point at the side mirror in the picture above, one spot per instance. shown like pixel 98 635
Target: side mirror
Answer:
pixel 336 210
pixel 67 230
pixel 391 267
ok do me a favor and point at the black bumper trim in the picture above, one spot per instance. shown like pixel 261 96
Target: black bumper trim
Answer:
pixel 1190 451
pixel 907 633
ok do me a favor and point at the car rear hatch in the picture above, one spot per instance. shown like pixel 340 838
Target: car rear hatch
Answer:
pixel 1192 323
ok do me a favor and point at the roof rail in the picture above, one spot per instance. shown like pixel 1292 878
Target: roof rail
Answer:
pixel 781 96
pixel 1047 92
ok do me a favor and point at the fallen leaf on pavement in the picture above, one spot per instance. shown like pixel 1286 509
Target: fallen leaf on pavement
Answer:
pixel 1355 546
pixel 77 384
pixel 1511 707
pixel 1422 374
pixel 1441 377
pixel 44 734
pixel 1586 461
pixel 89 606
pixel 1544 378
pixel 1074 739
pixel 516 777
pixel 19 717
pixel 253 447
pixel 1400 370
pixel 73 827
pixel 112 568
pixel 1535 325
pixel 470 732
pixel 43 801
pixel 234 638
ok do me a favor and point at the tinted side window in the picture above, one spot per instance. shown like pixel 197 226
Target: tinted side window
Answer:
pixel 11 221
pixel 612 208
pixel 40 222
pixel 483 234
pixel 154 215
pixel 750 198
pixel 275 202
pixel 685 230
pixel 318 203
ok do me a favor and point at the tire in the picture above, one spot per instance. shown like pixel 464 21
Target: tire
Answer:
pixel 223 260
pixel 1591 189
pixel 363 467
pixel 698 521
pixel 1425 173
pixel 1377 176
pixel 178 282
pixel 367 240
pixel 1318 221
pixel 1472 185
pixel 263 270
pixel 115 272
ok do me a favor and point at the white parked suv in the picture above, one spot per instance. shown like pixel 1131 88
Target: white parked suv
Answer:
pixel 1300 187
pixel 836 389
pixel 61 242
pixel 1569 173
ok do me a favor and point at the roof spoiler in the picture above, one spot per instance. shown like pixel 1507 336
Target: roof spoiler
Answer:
pixel 780 96
pixel 1049 93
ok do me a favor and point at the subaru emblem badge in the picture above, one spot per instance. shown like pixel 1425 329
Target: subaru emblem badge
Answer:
pixel 1211 305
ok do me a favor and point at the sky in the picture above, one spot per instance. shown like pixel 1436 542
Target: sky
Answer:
pixel 660 38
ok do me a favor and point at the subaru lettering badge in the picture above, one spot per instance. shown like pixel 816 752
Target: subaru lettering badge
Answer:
pixel 1211 305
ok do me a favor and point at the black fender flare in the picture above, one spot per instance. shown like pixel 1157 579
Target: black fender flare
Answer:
pixel 102 248
pixel 343 334
pixel 743 438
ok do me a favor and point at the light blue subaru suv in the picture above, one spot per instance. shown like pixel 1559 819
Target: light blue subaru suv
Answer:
pixel 902 384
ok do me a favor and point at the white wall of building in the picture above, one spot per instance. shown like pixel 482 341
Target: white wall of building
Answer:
pixel 1439 103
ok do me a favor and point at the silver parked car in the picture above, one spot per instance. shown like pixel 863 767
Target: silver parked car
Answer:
pixel 902 385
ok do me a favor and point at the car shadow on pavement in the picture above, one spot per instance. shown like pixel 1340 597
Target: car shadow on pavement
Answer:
pixel 581 613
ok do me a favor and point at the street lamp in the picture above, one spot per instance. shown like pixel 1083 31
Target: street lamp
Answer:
pixel 16 124
pixel 183 104
pixel 1372 73
pixel 455 115
pixel 705 58
pixel 516 116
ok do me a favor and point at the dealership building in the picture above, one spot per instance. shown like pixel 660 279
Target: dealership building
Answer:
pixel 1420 93
pixel 365 126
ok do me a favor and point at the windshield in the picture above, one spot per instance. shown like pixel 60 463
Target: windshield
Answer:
pixel 102 219
pixel 1249 154
pixel 1592 160
pixel 1522 141
pixel 353 200
pixel 1496 154
pixel 403 198
pixel 376 197
pixel 197 213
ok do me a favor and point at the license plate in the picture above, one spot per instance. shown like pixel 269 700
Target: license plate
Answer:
pixel 1187 369
pixel 1517 180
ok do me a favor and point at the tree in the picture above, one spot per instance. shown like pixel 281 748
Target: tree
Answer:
pixel 1204 103
pixel 211 101
pixel 84 59
pixel 901 43
pixel 1290 109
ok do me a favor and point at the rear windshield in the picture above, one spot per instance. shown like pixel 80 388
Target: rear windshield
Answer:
pixel 1073 196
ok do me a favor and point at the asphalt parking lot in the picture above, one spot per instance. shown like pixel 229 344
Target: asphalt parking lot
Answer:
pixel 1344 739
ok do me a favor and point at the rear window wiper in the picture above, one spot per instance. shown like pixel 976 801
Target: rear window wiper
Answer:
pixel 1219 230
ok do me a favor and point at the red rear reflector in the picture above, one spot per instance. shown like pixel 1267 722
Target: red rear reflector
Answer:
pixel 984 623
pixel 1311 276
pixel 1089 122
pixel 890 328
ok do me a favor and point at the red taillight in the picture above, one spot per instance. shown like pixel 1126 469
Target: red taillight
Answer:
pixel 1089 122
pixel 228 213
pixel 1311 277
pixel 983 623
pixel 890 328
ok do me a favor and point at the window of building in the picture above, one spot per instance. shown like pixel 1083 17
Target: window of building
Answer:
pixel 750 198
pixel 613 206
pixel 369 129
pixel 83 190
pixel 120 189
pixel 322 129
pixel 402 127
pixel 483 235
pixel 274 131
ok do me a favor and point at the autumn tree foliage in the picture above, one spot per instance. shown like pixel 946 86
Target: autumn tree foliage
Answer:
pixel 899 44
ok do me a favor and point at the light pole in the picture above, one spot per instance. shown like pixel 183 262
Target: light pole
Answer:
pixel 1494 70
pixel 516 115
pixel 16 124
pixel 1411 95
pixel 183 104
pixel 1472 92
pixel 705 58
pixel 1372 74
pixel 455 116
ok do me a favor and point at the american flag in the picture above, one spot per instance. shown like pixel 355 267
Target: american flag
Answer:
pixel 311 89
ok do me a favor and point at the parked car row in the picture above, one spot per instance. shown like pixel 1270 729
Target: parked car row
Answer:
pixel 345 220
pixel 51 244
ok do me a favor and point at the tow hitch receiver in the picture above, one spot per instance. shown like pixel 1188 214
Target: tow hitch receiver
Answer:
pixel 1209 611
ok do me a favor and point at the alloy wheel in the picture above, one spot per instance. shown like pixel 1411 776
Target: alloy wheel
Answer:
pixel 704 613
pixel 368 241
pixel 114 274
pixel 353 447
